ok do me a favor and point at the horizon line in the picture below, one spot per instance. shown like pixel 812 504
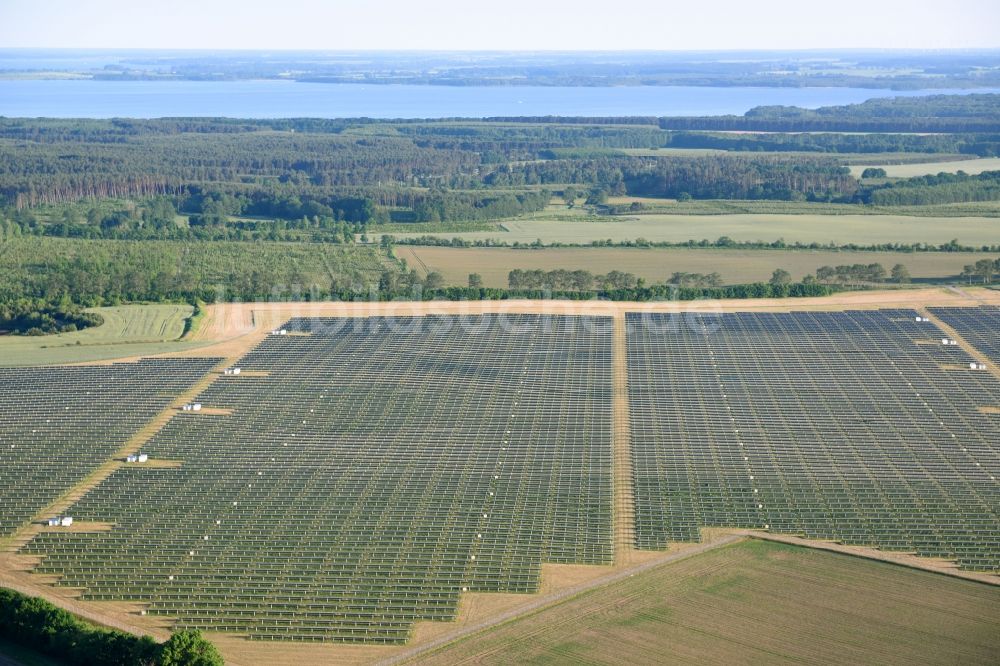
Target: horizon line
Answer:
pixel 854 49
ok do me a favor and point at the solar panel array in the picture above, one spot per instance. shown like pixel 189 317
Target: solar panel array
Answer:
pixel 368 473
pixel 358 475
pixel 979 326
pixel 856 426
pixel 57 424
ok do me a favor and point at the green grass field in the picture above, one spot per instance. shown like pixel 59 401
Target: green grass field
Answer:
pixel 128 330
pixel 754 602
pixel 841 229
pixel 931 168
pixel 656 264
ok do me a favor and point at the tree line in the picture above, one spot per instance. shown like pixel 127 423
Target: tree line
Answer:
pixel 49 272
pixel 984 271
pixel 657 292
pixel 47 275
pixel 29 316
pixel 934 189
pixel 703 177
pixel 723 242
pixel 973 113
pixel 206 214
pixel 983 145
pixel 847 274
pixel 50 630
pixel 578 280
pixel 366 171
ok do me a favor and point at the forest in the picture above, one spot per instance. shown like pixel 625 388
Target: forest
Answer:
pixel 50 630
pixel 937 189
pixel 99 212
pixel 42 274
pixel 110 272
pixel 933 113
pixel 364 171
pixel 983 145
pixel 25 316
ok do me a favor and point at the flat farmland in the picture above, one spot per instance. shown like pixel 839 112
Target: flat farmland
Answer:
pixel 839 229
pixel 971 167
pixel 657 264
pixel 755 602
pixel 847 158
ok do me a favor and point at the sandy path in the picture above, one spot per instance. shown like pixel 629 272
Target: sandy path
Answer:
pixel 624 502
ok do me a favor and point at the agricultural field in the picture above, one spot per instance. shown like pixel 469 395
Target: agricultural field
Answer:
pixel 754 602
pixel 969 166
pixel 657 264
pixel 652 206
pixel 844 158
pixel 128 330
pixel 840 229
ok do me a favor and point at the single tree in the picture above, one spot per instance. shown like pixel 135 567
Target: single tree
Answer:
pixel 434 280
pixel 189 648
pixel 387 282
pixel 475 280
pixel 984 269
pixel 569 196
pixel 780 277
pixel 900 274
pixel 597 197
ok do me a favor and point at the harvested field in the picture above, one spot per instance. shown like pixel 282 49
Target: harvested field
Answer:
pixel 810 228
pixel 755 602
pixel 657 264
pixel 970 167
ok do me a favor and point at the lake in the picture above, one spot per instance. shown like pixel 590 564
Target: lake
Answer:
pixel 289 99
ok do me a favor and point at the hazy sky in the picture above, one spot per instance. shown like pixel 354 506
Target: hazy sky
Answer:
pixel 500 24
